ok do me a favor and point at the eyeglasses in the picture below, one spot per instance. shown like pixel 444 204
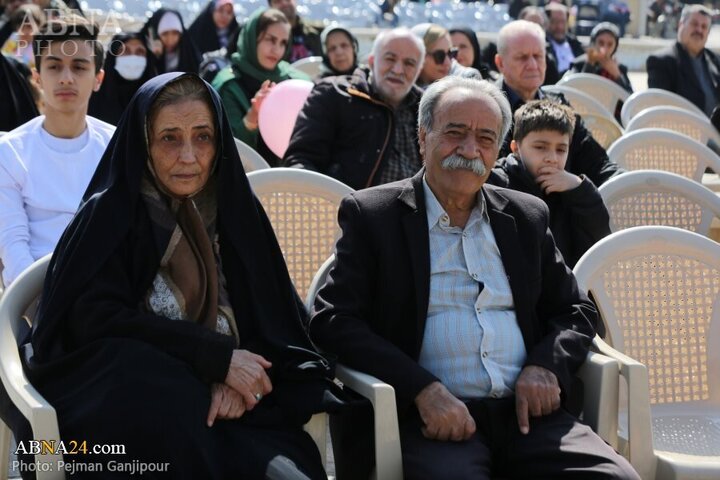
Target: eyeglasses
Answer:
pixel 439 55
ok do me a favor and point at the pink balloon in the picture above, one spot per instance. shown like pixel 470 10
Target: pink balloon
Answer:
pixel 279 111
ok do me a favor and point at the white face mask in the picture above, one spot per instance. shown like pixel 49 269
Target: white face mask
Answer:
pixel 130 67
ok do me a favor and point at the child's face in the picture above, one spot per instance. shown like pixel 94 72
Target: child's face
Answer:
pixel 541 149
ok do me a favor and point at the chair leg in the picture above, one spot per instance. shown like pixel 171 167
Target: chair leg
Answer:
pixel 5 440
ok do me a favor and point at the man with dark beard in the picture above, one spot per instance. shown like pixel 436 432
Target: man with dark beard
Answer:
pixel 453 292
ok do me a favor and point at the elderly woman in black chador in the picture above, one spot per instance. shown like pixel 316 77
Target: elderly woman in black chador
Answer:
pixel 168 322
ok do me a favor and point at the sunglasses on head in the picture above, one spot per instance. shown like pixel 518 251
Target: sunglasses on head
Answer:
pixel 439 55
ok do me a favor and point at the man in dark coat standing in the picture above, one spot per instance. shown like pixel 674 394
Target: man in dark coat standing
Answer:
pixel 688 68
pixel 454 293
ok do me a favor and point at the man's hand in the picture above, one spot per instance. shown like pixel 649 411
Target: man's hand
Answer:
pixel 552 179
pixel 225 403
pixel 445 417
pixel 247 376
pixel 537 393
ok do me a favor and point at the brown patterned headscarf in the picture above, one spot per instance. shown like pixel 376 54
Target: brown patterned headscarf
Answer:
pixel 189 284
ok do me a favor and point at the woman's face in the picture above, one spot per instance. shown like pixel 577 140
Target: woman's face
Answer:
pixel 223 16
pixel 272 44
pixel 432 70
pixel 182 146
pixel 466 54
pixel 133 46
pixel 170 40
pixel 340 51
pixel 605 42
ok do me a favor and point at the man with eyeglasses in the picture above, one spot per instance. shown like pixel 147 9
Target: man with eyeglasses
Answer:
pixel 361 128
pixel 521 62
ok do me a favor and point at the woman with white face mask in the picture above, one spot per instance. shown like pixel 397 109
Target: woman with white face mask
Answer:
pixel 129 63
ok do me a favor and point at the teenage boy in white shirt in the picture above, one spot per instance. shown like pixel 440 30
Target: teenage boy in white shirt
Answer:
pixel 46 163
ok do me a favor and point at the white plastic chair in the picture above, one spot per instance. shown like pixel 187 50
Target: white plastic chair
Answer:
pixel 41 415
pixel 652 197
pixel 658 290
pixel 581 102
pixel 308 65
pixel 660 149
pixel 697 127
pixel 605 91
pixel 599 374
pixel 251 160
pixel 302 207
pixel 654 97
pixel 604 130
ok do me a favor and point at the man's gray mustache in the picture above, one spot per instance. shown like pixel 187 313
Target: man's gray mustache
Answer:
pixel 457 162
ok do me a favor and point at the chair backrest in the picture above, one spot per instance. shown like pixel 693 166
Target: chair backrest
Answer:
pixel 251 160
pixel 605 91
pixel 657 290
pixel 652 197
pixel 581 102
pixel 308 65
pixel 604 130
pixel 654 97
pixel 678 120
pixel 659 149
pixel 302 206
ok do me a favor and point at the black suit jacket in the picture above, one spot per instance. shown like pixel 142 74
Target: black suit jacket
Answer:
pixel 670 69
pixel 372 310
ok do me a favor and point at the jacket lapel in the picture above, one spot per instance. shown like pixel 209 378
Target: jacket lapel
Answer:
pixel 513 257
pixel 418 245
pixel 712 68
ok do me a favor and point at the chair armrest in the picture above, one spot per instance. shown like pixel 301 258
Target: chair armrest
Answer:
pixel 639 449
pixel 40 414
pixel 388 456
pixel 601 379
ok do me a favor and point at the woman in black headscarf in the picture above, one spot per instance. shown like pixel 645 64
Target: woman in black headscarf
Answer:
pixel 469 54
pixel 168 322
pixel 174 49
pixel 340 51
pixel 128 65
pixel 18 103
pixel 600 56
pixel 214 26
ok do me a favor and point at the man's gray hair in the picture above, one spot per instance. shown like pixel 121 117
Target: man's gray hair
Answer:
pixel 518 27
pixel 533 10
pixel 400 32
pixel 483 88
pixel 695 8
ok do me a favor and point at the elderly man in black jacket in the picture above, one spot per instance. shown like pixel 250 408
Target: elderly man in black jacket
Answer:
pixel 361 129
pixel 521 61
pixel 688 68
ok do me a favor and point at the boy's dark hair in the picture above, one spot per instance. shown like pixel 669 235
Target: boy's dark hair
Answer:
pixel 543 115
pixel 69 27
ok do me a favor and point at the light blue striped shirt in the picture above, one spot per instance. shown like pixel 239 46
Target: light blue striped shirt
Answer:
pixel 472 340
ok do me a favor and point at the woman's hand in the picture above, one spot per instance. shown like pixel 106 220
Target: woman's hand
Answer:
pixel 251 118
pixel 247 376
pixel 225 403
pixel 609 64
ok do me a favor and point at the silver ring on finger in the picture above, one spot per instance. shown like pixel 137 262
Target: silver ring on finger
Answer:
pixel 258 396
